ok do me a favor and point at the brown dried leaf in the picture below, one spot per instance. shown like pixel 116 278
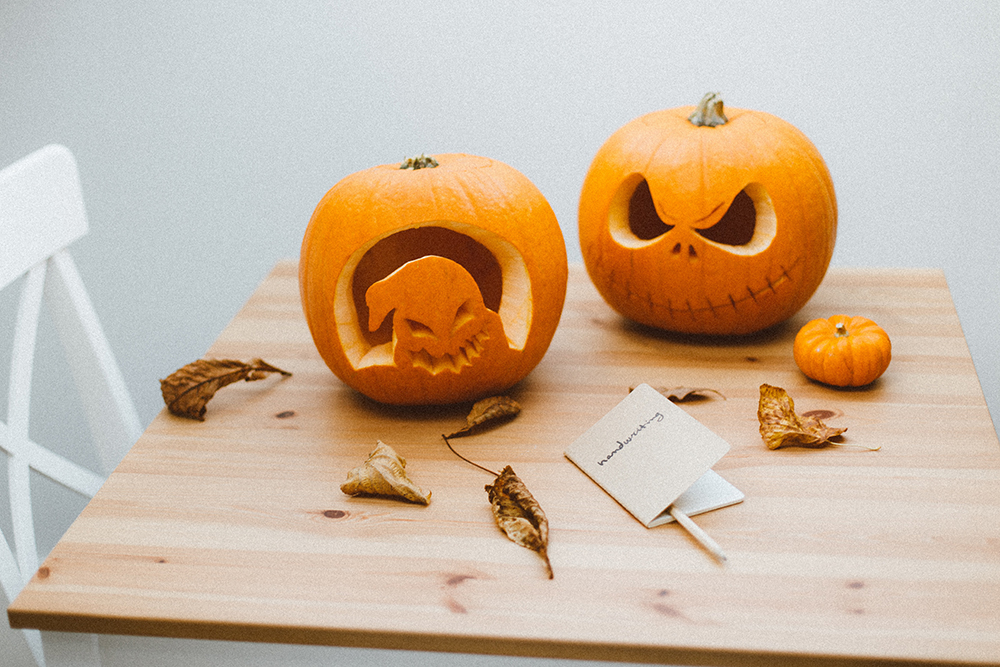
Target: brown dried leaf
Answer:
pixel 188 390
pixel 780 426
pixel 519 515
pixel 487 411
pixel 680 394
pixel 384 474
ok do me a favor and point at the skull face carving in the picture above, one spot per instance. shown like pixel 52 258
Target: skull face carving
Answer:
pixel 440 322
pixel 430 285
pixel 707 229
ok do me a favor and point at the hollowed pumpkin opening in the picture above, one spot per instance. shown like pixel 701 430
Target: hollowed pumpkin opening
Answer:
pixel 498 271
pixel 394 251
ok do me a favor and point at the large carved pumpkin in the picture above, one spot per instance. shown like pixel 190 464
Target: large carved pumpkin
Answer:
pixel 436 281
pixel 707 220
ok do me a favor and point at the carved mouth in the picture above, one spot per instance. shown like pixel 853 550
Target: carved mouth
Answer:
pixel 466 354
pixel 678 308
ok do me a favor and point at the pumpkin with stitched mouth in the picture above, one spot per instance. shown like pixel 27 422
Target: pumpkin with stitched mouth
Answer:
pixel 435 281
pixel 707 220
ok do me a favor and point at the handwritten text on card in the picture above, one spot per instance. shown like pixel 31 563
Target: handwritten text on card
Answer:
pixel 658 417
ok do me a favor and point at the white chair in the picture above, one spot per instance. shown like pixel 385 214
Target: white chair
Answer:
pixel 41 213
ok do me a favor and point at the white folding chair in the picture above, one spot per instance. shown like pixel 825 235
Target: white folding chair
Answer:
pixel 41 213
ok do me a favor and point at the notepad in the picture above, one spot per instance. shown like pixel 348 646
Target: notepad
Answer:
pixel 648 454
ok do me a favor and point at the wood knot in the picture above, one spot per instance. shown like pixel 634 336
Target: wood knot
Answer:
pixel 456 579
pixel 285 414
pixel 44 572
pixel 822 414
pixel 334 514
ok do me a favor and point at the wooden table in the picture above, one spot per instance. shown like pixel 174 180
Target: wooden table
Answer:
pixel 235 528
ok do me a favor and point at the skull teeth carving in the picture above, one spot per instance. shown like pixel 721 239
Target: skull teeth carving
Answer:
pixel 439 320
pixel 453 362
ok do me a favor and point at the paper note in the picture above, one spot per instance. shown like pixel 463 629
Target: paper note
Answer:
pixel 647 452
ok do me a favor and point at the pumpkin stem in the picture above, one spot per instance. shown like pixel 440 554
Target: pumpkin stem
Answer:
pixel 841 330
pixel 422 162
pixel 709 112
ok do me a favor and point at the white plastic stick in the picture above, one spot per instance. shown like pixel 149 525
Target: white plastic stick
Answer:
pixel 697 533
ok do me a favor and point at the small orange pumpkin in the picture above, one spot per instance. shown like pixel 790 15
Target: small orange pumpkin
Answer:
pixel 842 351
pixel 707 220
pixel 436 281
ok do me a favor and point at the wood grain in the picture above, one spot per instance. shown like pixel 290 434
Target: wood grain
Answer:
pixel 235 528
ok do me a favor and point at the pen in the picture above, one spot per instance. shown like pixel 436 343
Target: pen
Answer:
pixel 697 533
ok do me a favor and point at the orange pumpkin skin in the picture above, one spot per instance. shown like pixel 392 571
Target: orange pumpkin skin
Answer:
pixel 707 230
pixel 435 285
pixel 842 351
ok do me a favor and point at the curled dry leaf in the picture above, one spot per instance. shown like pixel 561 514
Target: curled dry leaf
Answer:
pixel 384 474
pixel 488 411
pixel 188 390
pixel 519 515
pixel 680 394
pixel 780 426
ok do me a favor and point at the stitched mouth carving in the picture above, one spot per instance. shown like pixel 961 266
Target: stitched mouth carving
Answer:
pixel 733 300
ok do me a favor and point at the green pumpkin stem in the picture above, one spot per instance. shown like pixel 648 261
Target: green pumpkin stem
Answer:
pixel 709 112
pixel 422 162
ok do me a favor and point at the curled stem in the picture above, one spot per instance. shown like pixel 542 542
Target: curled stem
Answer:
pixel 421 162
pixel 465 459
pixel 709 112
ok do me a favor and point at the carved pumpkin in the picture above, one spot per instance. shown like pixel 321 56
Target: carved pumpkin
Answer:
pixel 842 351
pixel 435 281
pixel 698 223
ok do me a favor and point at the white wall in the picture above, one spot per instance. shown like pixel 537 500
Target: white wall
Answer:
pixel 207 131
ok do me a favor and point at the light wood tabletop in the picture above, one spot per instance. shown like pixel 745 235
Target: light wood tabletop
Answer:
pixel 236 528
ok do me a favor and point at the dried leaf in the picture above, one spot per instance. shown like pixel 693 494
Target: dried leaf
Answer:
pixel 384 474
pixel 188 390
pixel 680 394
pixel 519 515
pixel 780 426
pixel 487 411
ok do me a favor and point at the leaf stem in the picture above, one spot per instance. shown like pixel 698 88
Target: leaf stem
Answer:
pixel 495 474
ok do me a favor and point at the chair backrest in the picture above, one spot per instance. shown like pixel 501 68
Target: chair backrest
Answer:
pixel 41 213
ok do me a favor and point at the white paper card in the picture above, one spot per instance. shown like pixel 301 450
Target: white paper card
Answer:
pixel 647 452
pixel 709 492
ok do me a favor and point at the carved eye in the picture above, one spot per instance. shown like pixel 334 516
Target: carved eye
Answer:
pixel 643 220
pixel 462 317
pixel 419 329
pixel 746 228
pixel 737 224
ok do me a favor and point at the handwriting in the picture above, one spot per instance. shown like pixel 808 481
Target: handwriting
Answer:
pixel 658 417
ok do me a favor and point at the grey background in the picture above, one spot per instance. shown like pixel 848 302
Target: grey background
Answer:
pixel 207 132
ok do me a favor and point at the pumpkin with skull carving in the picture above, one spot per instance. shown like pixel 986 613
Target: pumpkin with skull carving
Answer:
pixel 436 281
pixel 707 220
